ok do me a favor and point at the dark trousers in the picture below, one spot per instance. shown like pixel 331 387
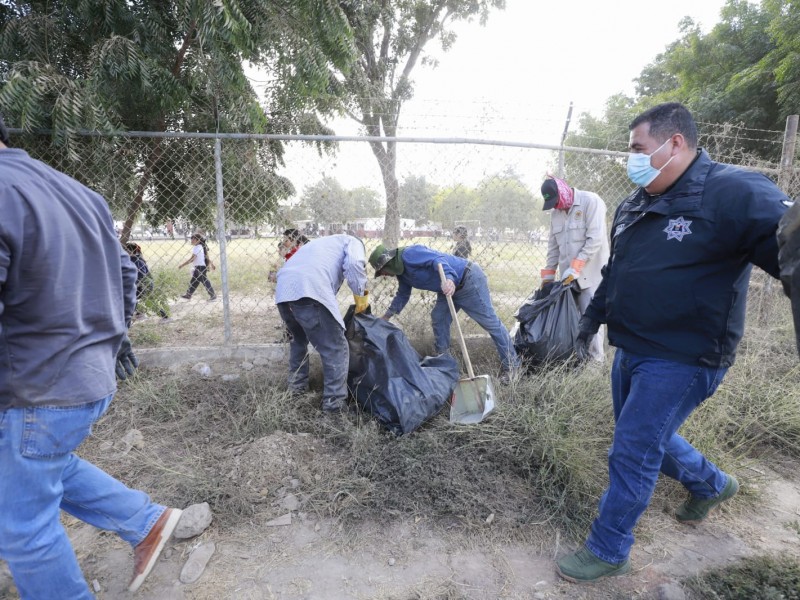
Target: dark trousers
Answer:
pixel 198 277
pixel 309 321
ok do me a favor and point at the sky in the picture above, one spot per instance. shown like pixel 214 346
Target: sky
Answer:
pixel 514 78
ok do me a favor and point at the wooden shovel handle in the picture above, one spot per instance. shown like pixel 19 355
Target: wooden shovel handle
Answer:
pixel 458 325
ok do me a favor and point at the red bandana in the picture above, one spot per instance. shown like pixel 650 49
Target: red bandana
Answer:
pixel 566 195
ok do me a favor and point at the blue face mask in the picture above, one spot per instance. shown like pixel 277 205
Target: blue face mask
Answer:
pixel 640 171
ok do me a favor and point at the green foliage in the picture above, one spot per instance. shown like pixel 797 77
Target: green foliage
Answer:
pixel 71 65
pixel 499 201
pixel 764 577
pixel 328 202
pixel 415 198
pixel 743 71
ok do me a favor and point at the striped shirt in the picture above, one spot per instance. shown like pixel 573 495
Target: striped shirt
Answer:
pixel 318 269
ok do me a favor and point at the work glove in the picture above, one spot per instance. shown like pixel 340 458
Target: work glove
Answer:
pixel 574 271
pixel 361 302
pixel 548 276
pixel 127 363
pixel 587 329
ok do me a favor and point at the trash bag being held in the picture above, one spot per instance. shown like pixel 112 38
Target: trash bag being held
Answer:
pixel 390 380
pixel 548 325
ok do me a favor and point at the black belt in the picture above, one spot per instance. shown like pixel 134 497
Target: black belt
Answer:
pixel 464 276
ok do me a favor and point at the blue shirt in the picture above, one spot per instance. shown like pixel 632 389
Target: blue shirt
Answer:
pixel 422 272
pixel 318 269
pixel 67 288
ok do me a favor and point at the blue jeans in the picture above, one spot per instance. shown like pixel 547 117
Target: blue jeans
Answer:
pixel 652 398
pixel 309 321
pixel 473 298
pixel 40 476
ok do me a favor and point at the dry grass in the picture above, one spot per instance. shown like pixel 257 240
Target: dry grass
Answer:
pixel 535 469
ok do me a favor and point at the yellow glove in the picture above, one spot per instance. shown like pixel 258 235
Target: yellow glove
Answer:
pixel 362 302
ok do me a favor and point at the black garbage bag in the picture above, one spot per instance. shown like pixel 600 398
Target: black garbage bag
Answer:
pixel 789 259
pixel 548 325
pixel 390 380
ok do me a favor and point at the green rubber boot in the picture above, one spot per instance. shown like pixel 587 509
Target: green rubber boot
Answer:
pixel 585 567
pixel 695 510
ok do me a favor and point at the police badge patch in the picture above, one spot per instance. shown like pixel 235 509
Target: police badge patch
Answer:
pixel 677 228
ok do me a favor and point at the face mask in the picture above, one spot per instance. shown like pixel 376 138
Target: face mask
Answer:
pixel 640 171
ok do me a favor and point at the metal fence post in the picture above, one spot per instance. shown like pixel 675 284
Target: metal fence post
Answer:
pixel 223 247
pixel 787 153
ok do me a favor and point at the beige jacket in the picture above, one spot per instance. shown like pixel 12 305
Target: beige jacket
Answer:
pixel 580 233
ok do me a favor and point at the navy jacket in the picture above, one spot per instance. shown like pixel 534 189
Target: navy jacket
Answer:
pixel 675 285
pixel 67 288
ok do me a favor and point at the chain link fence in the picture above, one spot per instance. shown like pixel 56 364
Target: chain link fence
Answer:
pixel 242 191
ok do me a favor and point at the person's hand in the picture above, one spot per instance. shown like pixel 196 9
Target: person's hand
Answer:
pixel 361 302
pixel 548 276
pixel 448 287
pixel 574 271
pixel 587 329
pixel 386 317
pixel 127 363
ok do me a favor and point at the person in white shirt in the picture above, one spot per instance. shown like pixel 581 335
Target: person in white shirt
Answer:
pixel 201 262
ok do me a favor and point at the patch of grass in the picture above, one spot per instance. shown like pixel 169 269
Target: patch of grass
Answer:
pixel 534 469
pixel 762 577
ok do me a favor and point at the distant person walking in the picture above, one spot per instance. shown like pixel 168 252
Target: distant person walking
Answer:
pixel 462 248
pixel 200 262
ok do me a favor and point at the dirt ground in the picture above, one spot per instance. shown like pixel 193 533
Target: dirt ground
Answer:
pixel 312 557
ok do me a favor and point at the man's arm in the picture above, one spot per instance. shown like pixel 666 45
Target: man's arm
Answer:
pixel 354 266
pixel 400 299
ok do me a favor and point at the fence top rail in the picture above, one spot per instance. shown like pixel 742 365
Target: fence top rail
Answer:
pixel 359 138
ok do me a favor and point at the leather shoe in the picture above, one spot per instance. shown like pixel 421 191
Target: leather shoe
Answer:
pixel 146 553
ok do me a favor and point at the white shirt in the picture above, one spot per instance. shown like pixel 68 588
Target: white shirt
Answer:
pixel 318 269
pixel 199 256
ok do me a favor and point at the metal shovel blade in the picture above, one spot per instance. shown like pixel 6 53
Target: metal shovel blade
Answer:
pixel 473 399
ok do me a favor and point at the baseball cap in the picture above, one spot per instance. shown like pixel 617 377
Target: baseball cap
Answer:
pixel 549 193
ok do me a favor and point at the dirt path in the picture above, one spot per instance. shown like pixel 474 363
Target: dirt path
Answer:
pixel 314 559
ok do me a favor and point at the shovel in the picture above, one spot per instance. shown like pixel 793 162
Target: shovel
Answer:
pixel 473 397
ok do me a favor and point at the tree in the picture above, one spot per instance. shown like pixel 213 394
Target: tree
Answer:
pixel 454 204
pixel 365 203
pixel 390 37
pixel 602 174
pixel 168 65
pixel 327 202
pixel 415 198
pixel 504 201
pixel 734 74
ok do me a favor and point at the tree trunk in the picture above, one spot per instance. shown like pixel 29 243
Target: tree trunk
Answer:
pixel 136 204
pixel 387 160
pixel 155 153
